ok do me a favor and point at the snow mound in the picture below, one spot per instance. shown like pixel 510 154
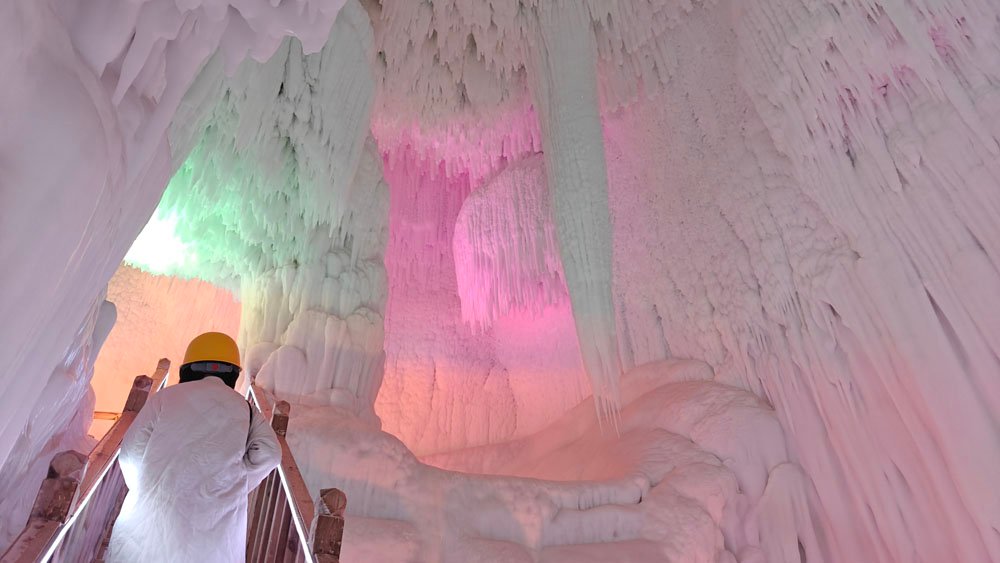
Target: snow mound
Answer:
pixel 700 473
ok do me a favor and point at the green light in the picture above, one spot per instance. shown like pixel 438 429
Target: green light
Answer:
pixel 158 249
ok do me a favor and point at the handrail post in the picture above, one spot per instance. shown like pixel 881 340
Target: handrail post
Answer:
pixel 162 367
pixel 279 419
pixel 57 495
pixel 139 393
pixel 328 526
pixel 320 524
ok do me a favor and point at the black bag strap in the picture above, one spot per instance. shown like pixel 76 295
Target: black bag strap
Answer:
pixel 250 421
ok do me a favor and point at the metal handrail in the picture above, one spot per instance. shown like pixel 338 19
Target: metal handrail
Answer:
pixel 61 526
pixel 74 480
pixel 271 513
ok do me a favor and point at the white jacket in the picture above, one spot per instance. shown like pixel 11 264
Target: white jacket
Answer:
pixel 192 455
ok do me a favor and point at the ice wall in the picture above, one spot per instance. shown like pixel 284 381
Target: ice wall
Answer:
pixel 450 384
pixel 442 385
pixel 803 266
pixel 890 118
pixel 771 178
pixel 157 316
pixel 58 422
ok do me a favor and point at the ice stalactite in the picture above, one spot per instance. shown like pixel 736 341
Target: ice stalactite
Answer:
pixel 452 74
pixel 282 198
pixel 564 83
pixel 315 328
pixel 506 253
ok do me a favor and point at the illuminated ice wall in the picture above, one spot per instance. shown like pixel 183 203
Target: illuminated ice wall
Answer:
pixel 157 316
pixel 734 260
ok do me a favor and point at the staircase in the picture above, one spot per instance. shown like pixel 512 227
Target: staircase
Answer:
pixel 79 500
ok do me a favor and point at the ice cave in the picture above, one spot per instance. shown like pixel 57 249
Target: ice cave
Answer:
pixel 541 280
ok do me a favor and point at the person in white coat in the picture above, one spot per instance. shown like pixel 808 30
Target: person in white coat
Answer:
pixel 190 458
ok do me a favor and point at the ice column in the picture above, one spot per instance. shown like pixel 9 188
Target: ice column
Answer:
pixel 315 327
pixel 564 84
pixel 282 196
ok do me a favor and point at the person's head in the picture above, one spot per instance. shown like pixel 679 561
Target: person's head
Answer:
pixel 212 353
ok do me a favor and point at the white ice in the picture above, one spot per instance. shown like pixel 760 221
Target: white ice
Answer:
pixel 798 194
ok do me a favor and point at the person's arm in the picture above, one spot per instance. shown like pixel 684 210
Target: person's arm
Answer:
pixel 134 442
pixel 263 452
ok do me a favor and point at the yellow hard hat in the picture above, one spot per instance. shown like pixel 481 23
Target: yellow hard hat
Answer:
pixel 212 347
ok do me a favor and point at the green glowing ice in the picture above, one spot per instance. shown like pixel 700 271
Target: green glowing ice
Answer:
pixel 158 248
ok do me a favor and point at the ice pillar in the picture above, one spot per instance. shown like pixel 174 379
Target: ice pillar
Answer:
pixel 314 328
pixel 564 84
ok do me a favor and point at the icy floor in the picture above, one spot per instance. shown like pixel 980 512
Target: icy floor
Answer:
pixel 698 467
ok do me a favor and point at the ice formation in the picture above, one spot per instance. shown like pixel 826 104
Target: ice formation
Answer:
pixel 456 219
pixel 305 249
pixel 506 253
pixel 700 473
pixel 564 82
pixel 59 422
pixel 108 77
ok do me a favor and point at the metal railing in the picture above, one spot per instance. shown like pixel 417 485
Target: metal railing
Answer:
pixel 79 500
pixel 282 515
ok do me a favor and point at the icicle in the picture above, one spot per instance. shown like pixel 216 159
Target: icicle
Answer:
pixel 565 90
pixel 506 254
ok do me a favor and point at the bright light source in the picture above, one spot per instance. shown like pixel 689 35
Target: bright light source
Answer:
pixel 158 249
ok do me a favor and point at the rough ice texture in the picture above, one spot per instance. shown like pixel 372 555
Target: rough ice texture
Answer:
pixel 58 422
pixel 895 144
pixel 801 193
pixel 506 254
pixel 453 74
pixel 92 88
pixel 809 205
pixel 834 257
pixel 314 329
pixel 157 317
pixel 282 196
pixel 448 384
pixel 700 473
